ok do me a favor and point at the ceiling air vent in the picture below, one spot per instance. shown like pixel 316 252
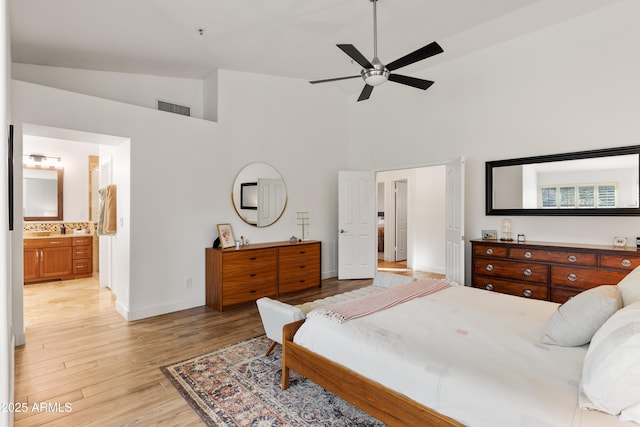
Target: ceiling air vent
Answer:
pixel 174 108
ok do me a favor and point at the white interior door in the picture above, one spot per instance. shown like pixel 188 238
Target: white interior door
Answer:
pixel 271 199
pixel 454 220
pixel 356 225
pixel 401 221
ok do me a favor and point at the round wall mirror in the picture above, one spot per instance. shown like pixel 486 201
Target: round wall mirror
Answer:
pixel 259 194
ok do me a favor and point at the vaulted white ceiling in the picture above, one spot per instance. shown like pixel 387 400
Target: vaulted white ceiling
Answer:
pixel 293 38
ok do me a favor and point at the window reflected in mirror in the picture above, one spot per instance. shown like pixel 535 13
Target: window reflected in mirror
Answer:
pixel 601 182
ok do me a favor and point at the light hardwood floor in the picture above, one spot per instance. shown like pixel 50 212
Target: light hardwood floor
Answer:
pixel 81 353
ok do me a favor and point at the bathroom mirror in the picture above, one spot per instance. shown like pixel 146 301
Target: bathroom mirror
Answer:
pixel 597 183
pixel 259 194
pixel 42 193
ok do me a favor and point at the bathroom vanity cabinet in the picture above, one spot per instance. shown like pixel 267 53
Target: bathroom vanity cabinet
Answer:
pixel 57 258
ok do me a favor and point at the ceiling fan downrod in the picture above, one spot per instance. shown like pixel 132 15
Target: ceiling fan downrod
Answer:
pixel 378 74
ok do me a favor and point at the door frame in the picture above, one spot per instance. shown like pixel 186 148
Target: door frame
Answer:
pixel 445 164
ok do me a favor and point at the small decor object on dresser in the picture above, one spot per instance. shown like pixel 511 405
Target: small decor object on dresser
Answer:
pixel 489 234
pixel 619 242
pixel 226 235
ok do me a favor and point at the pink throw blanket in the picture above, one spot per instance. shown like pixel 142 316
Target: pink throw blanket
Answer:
pixel 343 311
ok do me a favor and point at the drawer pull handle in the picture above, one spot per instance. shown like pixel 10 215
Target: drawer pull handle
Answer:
pixel 489 267
pixel 302 252
pixel 527 293
pixel 302 281
pixel 489 251
pixel 302 266
pixel 253 258
pixel 572 258
pixel 252 291
pixel 489 287
pixel 626 262
pixel 572 277
pixel 253 275
pixel 528 254
pixel 528 272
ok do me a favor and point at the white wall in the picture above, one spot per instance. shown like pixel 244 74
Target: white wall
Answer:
pixel 426 215
pixel 428 218
pixel 570 87
pixel 137 89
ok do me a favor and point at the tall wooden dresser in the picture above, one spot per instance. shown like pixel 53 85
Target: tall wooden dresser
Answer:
pixel 546 270
pixel 238 276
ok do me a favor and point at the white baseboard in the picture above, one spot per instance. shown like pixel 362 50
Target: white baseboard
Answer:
pixel 157 310
pixel 19 338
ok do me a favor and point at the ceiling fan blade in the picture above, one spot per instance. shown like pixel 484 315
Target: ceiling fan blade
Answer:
pixel 424 52
pixel 334 79
pixel 411 81
pixel 366 92
pixel 355 54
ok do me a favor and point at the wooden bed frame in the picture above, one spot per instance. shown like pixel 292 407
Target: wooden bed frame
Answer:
pixel 390 407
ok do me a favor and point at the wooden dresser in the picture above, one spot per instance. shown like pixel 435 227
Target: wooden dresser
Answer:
pixel 546 270
pixel 239 276
pixel 57 258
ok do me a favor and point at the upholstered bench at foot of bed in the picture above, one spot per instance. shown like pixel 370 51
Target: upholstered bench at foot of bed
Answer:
pixel 275 314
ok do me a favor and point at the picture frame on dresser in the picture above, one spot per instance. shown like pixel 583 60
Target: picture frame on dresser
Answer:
pixel 489 235
pixel 226 235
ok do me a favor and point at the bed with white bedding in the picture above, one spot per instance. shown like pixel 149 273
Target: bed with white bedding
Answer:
pixel 472 356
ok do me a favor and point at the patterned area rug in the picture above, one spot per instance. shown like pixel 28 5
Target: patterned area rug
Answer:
pixel 238 386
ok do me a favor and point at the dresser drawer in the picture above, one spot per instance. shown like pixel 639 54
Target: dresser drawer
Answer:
pixel 529 272
pixel 488 250
pixel 47 243
pixel 527 290
pixel 242 293
pixel 82 266
pixel 297 253
pixel 304 278
pixel 627 262
pixel 584 278
pixel 255 277
pixel 562 295
pixel 560 257
pixel 82 241
pixel 82 252
pixel 244 263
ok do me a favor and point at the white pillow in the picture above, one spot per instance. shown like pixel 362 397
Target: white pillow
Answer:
pixel 631 414
pixel 630 287
pixel 611 371
pixel 574 322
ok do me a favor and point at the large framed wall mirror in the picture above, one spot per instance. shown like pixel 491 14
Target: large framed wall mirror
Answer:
pixel 42 193
pixel 586 183
pixel 259 194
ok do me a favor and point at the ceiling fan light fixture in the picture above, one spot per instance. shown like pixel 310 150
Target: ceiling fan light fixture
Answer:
pixel 375 77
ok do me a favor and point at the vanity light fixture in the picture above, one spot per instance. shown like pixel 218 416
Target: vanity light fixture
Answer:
pixel 42 161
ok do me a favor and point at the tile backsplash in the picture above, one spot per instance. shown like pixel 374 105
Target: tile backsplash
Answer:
pixel 55 227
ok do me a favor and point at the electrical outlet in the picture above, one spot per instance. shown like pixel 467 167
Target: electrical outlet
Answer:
pixel 188 282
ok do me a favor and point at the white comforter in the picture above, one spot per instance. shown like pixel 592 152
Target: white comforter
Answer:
pixel 470 354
